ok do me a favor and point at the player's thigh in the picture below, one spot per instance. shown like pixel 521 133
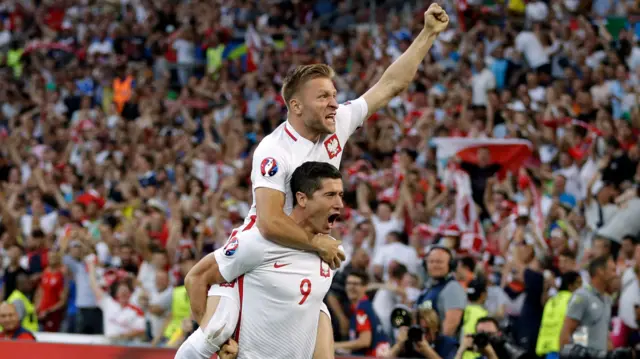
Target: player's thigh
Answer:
pixel 216 292
pixel 324 341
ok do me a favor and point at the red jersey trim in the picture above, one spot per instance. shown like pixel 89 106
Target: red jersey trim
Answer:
pixel 236 335
pixel 135 309
pixel 289 133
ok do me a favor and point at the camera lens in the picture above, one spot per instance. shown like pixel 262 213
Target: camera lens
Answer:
pixel 415 334
pixel 481 340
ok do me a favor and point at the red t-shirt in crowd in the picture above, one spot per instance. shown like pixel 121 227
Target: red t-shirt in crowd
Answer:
pixel 19 334
pixel 51 285
pixel 55 17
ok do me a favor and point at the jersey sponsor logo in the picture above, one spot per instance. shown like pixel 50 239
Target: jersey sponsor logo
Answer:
pixel 361 318
pixel 280 265
pixel 231 247
pixel 332 145
pixel 269 167
pixel 347 103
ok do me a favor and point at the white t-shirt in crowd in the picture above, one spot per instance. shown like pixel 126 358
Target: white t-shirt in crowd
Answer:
pixel 537 11
pixel 383 304
pixel 529 44
pixel 383 228
pixel 162 299
pixel 5 38
pixel 185 51
pixel 101 47
pixel 397 252
pixel 629 298
pixel 480 84
pixel 120 320
pixel 47 223
pixel 281 292
pixel 573 184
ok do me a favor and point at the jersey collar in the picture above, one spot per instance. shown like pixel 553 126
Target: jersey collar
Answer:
pixel 293 135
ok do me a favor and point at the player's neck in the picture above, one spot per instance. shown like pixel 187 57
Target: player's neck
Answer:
pixel 302 130
pixel 301 219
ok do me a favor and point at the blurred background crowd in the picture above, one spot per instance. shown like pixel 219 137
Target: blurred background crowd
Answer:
pixel 127 129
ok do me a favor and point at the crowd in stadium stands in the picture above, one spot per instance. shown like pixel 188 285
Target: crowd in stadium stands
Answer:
pixel 127 129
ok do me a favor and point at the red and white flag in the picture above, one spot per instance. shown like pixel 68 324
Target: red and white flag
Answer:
pixel 467 218
pixel 253 41
pixel 511 154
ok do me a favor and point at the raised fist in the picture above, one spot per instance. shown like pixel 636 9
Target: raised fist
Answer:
pixel 435 19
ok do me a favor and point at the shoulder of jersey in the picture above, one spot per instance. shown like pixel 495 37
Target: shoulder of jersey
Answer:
pixel 275 141
pixel 251 238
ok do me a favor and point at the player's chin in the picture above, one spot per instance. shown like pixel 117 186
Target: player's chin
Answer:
pixel 329 125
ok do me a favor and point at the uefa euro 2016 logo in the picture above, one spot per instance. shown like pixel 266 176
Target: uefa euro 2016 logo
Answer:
pixel 269 167
pixel 231 247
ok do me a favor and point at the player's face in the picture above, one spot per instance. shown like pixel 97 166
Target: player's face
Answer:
pixel 324 207
pixel 319 105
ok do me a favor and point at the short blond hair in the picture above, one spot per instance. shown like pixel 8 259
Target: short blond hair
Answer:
pixel 431 318
pixel 297 77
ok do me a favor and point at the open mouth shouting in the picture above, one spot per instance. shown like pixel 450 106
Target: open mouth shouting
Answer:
pixel 331 117
pixel 333 220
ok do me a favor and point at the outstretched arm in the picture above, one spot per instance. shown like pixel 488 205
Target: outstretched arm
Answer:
pixel 400 74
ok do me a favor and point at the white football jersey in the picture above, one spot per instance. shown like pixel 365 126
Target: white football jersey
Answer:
pixel 280 293
pixel 284 150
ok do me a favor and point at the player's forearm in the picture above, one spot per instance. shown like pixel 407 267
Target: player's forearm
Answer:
pixel 401 72
pixel 357 344
pixel 197 290
pixel 284 231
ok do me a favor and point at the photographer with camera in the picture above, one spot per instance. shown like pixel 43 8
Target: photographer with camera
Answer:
pixel 422 340
pixel 442 291
pixel 480 342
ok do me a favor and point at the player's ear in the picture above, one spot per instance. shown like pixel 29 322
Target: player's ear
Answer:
pixel 295 106
pixel 301 199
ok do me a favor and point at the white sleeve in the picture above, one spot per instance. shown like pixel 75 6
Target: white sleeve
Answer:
pixel 240 255
pixel 139 323
pixel 379 259
pixel 351 115
pixel 325 310
pixel 270 169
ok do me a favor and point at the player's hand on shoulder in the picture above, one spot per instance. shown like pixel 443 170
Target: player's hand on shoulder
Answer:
pixel 329 249
pixel 435 19
pixel 229 350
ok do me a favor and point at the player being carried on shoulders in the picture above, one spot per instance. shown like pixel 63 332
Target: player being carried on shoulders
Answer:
pixel 316 130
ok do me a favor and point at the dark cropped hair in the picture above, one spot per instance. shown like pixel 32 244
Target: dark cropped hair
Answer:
pixel 598 263
pixel 308 177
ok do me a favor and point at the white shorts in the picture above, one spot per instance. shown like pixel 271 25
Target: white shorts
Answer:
pixel 225 290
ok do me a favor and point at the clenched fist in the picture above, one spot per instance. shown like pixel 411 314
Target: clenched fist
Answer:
pixel 435 19
pixel 329 249
pixel 229 350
